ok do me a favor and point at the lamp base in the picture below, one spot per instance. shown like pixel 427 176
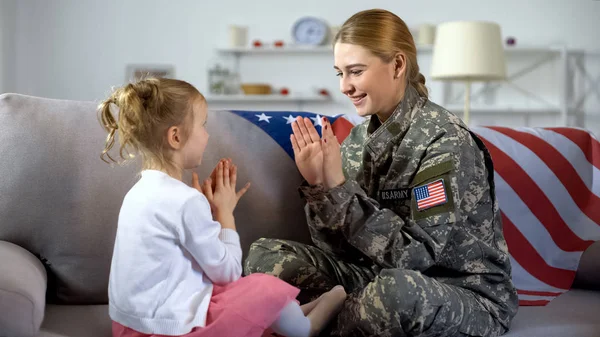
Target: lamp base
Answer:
pixel 466 113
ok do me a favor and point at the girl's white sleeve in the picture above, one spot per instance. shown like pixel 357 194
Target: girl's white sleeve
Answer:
pixel 217 251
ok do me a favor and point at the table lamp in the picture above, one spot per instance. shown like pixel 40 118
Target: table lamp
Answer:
pixel 468 51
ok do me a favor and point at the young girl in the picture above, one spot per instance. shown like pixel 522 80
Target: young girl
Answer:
pixel 176 266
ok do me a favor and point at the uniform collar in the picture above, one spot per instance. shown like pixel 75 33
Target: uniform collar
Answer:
pixel 396 126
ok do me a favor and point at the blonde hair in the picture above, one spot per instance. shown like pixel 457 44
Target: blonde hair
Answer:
pixel 147 109
pixel 384 34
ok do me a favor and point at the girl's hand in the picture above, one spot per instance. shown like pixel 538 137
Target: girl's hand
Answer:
pixel 210 181
pixel 224 197
pixel 220 192
pixel 333 174
pixel 211 178
pixel 307 150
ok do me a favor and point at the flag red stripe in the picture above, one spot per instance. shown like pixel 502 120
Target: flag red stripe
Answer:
pixel 522 251
pixel 537 293
pixel 433 198
pixel 436 189
pixel 341 129
pixel 427 202
pixel 588 202
pixel 537 202
pixel 537 303
pixel 584 141
pixel 435 194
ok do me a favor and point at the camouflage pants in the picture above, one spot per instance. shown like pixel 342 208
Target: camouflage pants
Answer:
pixel 386 302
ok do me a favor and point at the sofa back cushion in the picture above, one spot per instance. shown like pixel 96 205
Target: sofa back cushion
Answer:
pixel 60 201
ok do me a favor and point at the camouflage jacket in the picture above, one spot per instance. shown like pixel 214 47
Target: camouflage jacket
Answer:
pixel 375 215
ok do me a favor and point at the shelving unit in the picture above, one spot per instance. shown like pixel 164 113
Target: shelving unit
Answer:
pixel 505 109
pixel 569 102
pixel 266 98
pixel 299 100
pixel 328 49
pixel 275 50
pixel 570 98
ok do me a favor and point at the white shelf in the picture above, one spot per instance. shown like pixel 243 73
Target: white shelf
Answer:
pixel 266 98
pixel 328 49
pixel 276 50
pixel 292 49
pixel 505 109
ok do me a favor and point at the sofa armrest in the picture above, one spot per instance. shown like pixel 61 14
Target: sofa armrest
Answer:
pixel 22 291
pixel 588 272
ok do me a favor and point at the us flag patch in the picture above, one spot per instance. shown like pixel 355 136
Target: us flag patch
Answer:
pixel 430 195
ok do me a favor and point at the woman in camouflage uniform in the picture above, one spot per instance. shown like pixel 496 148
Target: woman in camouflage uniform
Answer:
pixel 403 215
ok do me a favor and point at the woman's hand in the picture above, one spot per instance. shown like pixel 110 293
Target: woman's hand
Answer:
pixel 333 174
pixel 307 150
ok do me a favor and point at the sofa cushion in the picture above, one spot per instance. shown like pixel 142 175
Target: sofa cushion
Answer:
pixel 59 199
pixel 76 321
pixel 574 313
pixel 22 291
pixel 588 273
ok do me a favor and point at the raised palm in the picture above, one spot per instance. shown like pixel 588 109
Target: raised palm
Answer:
pixel 307 150
pixel 333 174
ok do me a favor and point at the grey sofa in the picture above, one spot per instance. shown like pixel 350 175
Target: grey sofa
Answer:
pixel 59 204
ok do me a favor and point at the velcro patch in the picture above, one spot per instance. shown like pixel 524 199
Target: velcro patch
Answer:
pixel 430 195
pixel 395 194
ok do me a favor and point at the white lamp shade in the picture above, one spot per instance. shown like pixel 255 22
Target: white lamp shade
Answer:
pixel 468 50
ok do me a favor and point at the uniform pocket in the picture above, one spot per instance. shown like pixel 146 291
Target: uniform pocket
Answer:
pixel 432 172
pixel 432 195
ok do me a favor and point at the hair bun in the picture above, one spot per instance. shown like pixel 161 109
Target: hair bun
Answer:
pixel 149 93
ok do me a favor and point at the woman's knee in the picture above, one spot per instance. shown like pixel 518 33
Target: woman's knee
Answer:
pixel 398 302
pixel 258 260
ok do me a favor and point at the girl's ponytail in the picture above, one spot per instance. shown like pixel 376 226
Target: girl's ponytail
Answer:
pixel 110 125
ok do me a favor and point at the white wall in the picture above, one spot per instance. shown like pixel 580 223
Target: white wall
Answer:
pixel 78 49
pixel 8 11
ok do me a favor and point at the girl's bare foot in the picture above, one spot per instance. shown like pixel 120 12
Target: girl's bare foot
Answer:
pixel 325 309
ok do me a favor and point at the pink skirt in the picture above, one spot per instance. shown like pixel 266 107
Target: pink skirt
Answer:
pixel 244 308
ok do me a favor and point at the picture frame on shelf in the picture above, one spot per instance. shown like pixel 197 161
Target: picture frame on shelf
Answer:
pixel 135 72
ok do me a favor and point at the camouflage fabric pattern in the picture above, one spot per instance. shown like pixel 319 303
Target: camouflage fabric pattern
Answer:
pixel 454 251
pixel 388 302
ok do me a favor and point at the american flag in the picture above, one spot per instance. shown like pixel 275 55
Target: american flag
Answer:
pixel 429 195
pixel 548 188
pixel 278 124
pixel 547 183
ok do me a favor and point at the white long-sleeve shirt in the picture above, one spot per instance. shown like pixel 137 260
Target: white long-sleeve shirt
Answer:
pixel 168 253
